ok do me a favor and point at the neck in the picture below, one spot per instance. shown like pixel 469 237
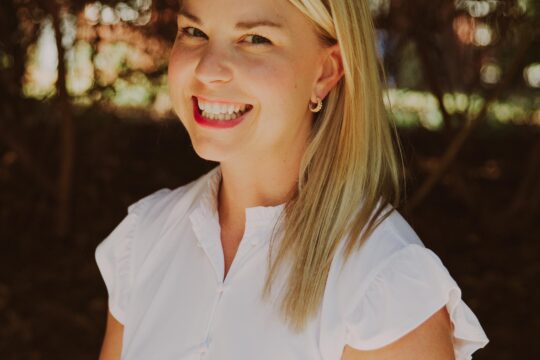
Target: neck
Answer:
pixel 266 181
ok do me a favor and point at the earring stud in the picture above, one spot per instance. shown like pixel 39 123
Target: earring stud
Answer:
pixel 318 107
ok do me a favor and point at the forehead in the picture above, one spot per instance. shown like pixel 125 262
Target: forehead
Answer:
pixel 243 14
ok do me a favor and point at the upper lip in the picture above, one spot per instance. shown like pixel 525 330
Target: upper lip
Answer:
pixel 217 100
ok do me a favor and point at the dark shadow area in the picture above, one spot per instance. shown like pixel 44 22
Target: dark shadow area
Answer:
pixel 52 299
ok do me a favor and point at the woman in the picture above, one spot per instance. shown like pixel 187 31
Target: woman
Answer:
pixel 291 248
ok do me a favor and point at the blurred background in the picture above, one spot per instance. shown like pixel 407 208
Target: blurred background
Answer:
pixel 86 129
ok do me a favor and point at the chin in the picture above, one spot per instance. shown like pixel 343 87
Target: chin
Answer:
pixel 209 151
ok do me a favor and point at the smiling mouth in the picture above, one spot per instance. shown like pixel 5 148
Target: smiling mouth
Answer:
pixel 221 111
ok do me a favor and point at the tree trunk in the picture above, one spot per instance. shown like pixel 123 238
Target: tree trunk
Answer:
pixel 67 136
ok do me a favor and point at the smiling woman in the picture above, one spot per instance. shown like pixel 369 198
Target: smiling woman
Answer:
pixel 292 247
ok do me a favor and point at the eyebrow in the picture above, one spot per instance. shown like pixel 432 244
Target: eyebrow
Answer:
pixel 242 25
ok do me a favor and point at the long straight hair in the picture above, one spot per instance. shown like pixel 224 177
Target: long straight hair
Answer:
pixel 350 170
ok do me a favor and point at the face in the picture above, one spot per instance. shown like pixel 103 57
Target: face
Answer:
pixel 273 69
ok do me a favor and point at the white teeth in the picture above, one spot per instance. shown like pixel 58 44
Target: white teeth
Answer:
pixel 218 108
pixel 222 117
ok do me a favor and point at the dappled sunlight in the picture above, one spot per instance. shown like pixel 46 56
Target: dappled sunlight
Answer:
pixel 531 74
pixel 110 60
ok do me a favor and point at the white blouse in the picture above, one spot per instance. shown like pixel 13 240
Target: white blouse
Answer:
pixel 163 268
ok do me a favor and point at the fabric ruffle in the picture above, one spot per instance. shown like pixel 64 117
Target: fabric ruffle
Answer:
pixel 408 288
pixel 205 218
pixel 113 258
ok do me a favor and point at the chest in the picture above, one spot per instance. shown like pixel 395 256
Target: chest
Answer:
pixel 230 241
pixel 197 295
pixel 191 313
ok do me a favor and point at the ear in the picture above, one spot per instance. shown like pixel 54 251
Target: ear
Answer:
pixel 331 71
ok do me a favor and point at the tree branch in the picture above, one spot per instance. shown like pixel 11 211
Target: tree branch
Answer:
pixel 457 144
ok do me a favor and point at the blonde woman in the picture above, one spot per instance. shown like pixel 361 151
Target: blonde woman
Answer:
pixel 291 247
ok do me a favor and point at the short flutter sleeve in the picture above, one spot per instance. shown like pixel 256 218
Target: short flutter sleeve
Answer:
pixel 113 257
pixel 409 287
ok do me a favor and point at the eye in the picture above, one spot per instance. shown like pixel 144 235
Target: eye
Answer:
pixel 186 31
pixel 260 40
pixel 193 32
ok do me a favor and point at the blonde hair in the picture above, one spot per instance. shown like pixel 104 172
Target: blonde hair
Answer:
pixel 350 160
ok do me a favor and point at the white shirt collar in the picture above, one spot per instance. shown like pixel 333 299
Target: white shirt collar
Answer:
pixel 260 220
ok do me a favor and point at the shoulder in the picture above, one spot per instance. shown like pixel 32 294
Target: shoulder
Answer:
pixel 394 283
pixel 147 217
pixel 392 236
pixel 350 277
pixel 119 256
pixel 160 203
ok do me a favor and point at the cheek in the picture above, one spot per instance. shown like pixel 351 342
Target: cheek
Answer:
pixel 277 83
pixel 281 85
pixel 179 75
pixel 177 70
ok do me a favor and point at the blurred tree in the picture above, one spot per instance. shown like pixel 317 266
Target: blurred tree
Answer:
pixel 17 31
pixel 457 50
pixel 454 41
pixel 20 22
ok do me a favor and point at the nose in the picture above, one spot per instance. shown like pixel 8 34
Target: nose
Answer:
pixel 213 66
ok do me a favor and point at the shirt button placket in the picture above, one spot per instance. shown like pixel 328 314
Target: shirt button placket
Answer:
pixel 221 288
pixel 204 348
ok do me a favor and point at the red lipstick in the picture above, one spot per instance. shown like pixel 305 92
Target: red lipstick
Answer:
pixel 220 124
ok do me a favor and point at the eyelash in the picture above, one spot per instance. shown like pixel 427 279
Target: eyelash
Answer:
pixel 185 32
